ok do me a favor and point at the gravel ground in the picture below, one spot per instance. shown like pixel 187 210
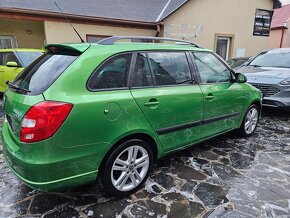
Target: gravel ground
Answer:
pixel 227 176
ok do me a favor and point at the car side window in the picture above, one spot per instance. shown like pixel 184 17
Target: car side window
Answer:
pixel 169 68
pixel 211 69
pixel 112 74
pixel 9 57
pixel 142 75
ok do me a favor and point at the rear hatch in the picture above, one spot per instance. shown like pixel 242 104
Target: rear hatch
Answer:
pixel 28 87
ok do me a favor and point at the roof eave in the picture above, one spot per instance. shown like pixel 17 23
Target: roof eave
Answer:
pixel 172 12
pixel 277 27
pixel 73 17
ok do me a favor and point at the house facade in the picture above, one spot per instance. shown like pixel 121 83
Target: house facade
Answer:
pixel 280 33
pixel 225 26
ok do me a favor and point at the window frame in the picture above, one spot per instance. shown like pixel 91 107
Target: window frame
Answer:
pixel 13 40
pixel 189 62
pixel 233 74
pixel 102 64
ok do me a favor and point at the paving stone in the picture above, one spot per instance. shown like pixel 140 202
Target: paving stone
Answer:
pixel 63 213
pixel 241 161
pixel 148 209
pixel 107 209
pixel 225 172
pixel 189 173
pixel 211 194
pixel 164 180
pixel 220 153
pixel 173 196
pixel 22 207
pixel 225 160
pixel 180 209
pixel 188 186
pixel 45 202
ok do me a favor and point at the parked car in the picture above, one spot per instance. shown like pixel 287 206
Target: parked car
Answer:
pixel 111 109
pixel 13 61
pixel 270 72
pixel 236 62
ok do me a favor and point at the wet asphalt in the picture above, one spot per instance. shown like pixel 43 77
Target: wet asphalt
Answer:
pixel 227 176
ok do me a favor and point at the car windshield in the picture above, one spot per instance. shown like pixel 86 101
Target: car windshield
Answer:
pixel 272 59
pixel 27 58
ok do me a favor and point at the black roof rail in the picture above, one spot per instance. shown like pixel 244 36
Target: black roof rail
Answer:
pixel 113 39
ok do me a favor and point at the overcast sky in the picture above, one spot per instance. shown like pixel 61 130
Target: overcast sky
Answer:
pixel 285 2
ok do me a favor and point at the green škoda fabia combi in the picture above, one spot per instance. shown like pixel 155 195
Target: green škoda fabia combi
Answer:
pixel 111 109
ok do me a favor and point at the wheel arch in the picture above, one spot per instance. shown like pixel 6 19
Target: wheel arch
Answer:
pixel 259 104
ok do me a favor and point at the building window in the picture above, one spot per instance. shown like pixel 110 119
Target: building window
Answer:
pixel 224 45
pixel 8 42
pixel 95 38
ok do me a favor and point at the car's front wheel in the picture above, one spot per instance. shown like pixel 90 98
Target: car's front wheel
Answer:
pixel 250 121
pixel 127 167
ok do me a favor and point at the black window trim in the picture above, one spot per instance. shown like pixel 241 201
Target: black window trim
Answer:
pixel 193 78
pixel 101 65
pixel 233 75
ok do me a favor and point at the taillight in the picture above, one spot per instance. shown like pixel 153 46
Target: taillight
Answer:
pixel 43 120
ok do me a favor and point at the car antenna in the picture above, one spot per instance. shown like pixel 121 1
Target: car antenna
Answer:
pixel 69 22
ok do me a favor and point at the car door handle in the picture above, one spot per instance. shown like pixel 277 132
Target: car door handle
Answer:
pixel 152 102
pixel 209 97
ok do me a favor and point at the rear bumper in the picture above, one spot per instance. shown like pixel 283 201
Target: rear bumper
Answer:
pixel 46 176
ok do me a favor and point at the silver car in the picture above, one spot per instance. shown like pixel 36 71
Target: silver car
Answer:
pixel 270 72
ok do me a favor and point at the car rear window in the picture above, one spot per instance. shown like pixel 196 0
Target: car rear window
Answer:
pixel 38 76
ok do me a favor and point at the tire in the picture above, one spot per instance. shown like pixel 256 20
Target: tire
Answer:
pixel 250 121
pixel 127 167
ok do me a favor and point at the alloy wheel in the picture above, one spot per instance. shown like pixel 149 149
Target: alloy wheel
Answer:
pixel 251 120
pixel 130 168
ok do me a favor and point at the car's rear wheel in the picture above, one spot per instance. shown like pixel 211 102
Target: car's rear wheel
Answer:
pixel 127 167
pixel 250 121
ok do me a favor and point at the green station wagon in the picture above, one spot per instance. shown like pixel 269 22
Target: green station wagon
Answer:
pixel 110 109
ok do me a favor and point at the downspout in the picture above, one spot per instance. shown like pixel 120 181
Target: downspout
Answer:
pixel 283 32
pixel 158 29
pixel 158 19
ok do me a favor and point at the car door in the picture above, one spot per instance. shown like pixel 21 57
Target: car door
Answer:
pixel 223 99
pixel 8 73
pixel 165 91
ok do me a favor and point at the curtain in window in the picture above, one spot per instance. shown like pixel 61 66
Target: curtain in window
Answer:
pixel 7 42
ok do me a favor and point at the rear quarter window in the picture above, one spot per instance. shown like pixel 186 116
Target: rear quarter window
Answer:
pixel 112 74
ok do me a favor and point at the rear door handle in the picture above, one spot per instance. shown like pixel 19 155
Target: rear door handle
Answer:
pixel 152 102
pixel 209 97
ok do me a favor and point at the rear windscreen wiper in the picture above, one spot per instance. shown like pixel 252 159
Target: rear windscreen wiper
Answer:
pixel 11 85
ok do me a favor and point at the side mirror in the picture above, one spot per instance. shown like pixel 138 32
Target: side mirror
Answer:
pixel 12 64
pixel 241 78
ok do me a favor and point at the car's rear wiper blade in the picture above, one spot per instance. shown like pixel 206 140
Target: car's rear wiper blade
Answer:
pixel 11 85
